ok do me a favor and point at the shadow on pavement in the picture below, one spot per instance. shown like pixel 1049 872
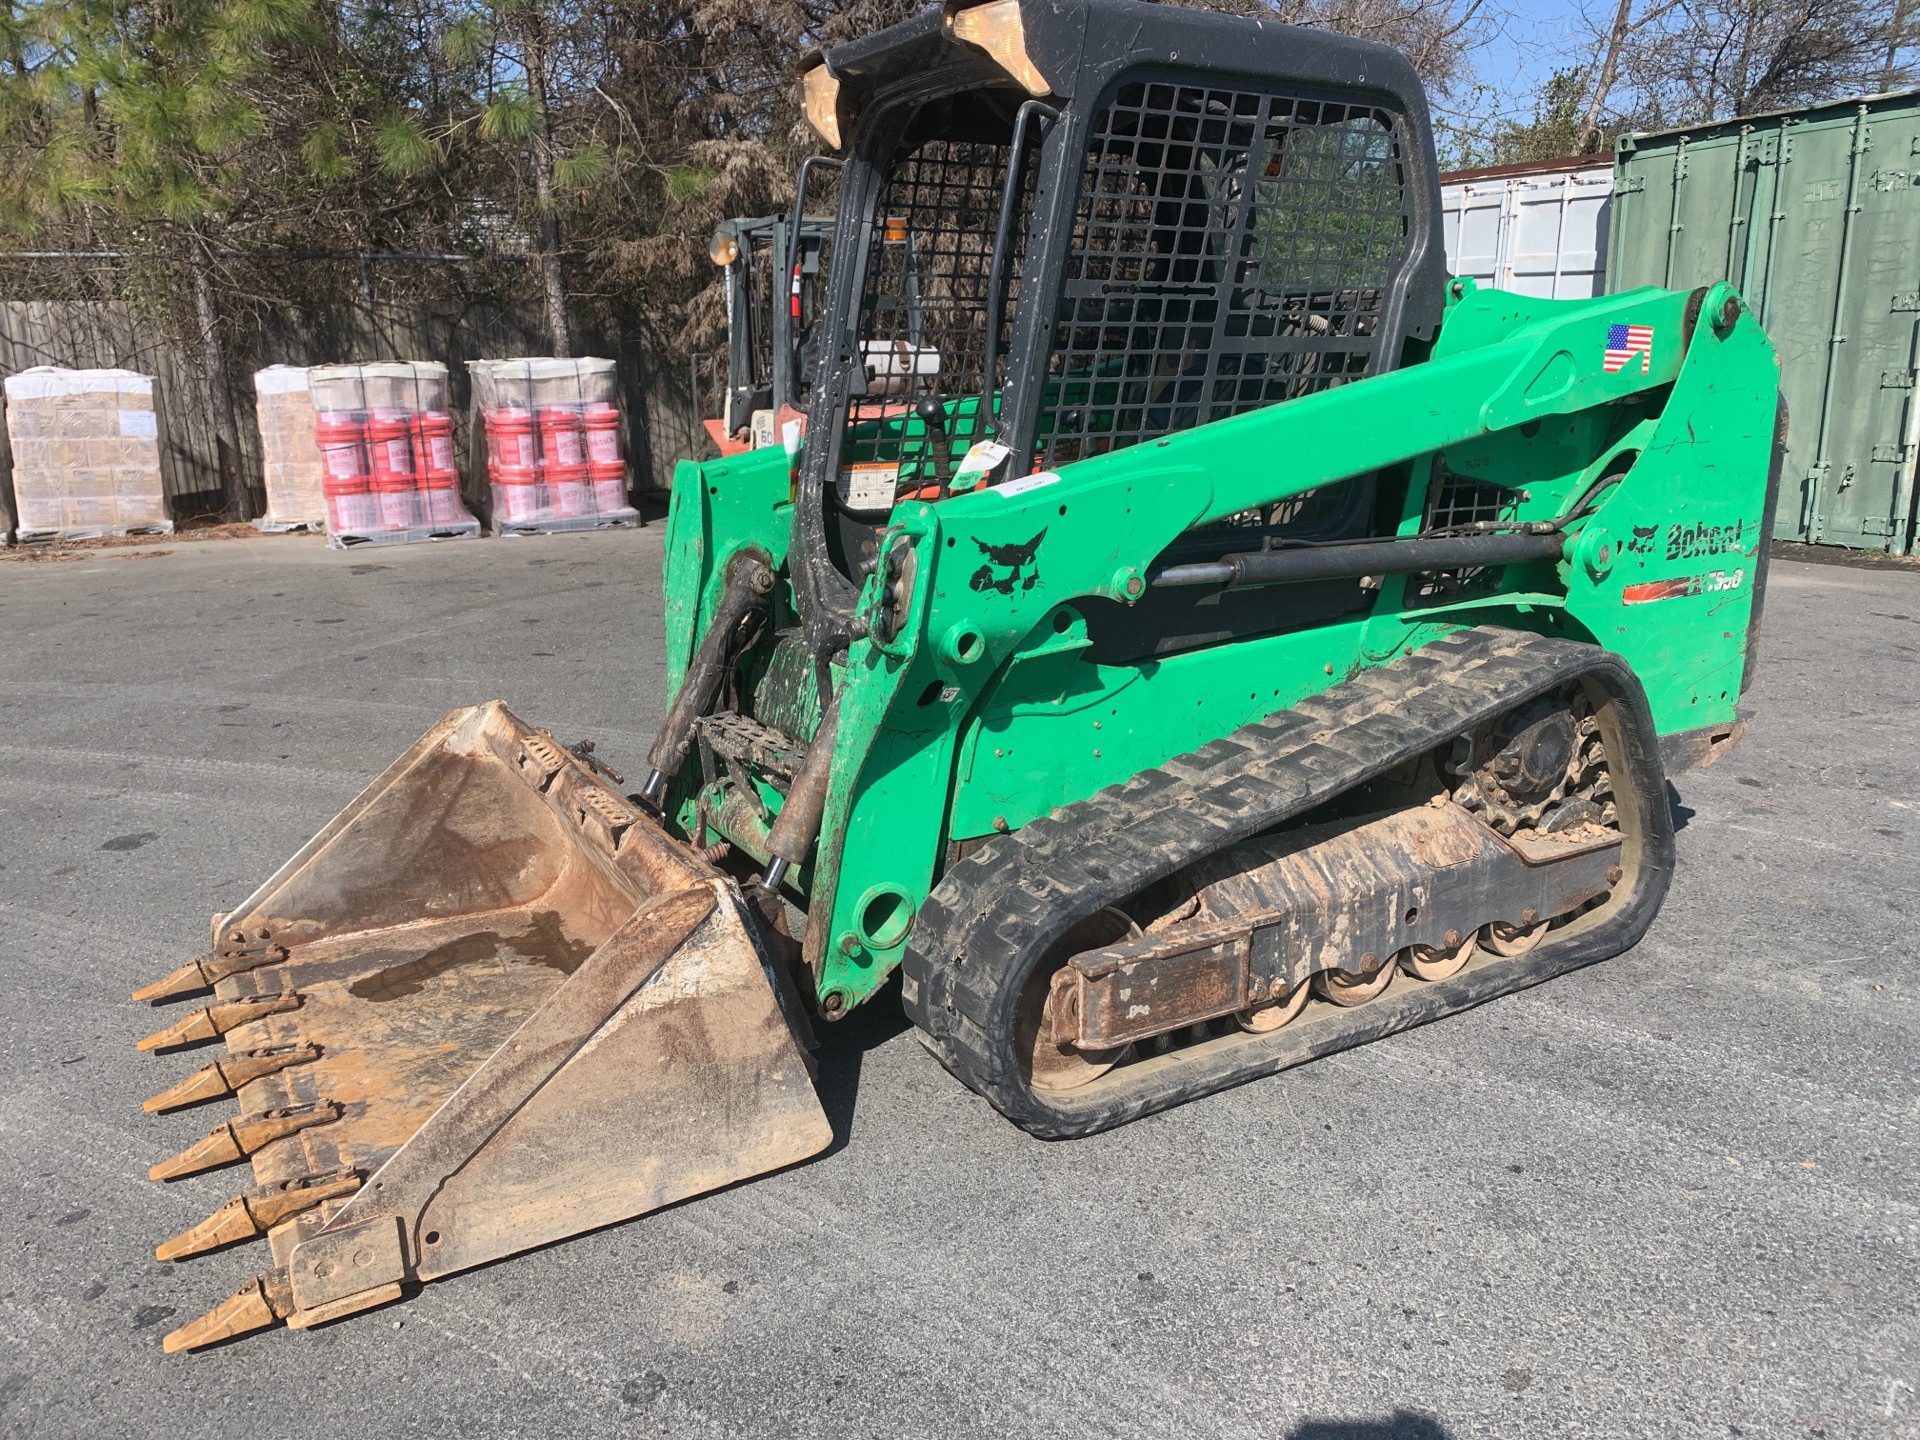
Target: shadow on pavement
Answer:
pixel 1678 808
pixel 844 1046
pixel 1401 1425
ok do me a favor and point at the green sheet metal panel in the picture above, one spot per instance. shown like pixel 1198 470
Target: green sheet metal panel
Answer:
pixel 1815 215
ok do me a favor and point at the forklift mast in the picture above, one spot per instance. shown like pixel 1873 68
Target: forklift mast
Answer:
pixel 767 317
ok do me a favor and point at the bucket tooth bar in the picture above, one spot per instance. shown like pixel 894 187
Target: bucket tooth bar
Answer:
pixel 210 1022
pixel 225 1077
pixel 518 1009
pixel 234 1140
pixel 254 1212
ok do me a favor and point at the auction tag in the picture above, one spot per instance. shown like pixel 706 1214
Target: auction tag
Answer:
pixel 870 485
pixel 1028 482
pixel 142 424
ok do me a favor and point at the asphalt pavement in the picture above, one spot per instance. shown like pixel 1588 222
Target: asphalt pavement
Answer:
pixel 1671 1195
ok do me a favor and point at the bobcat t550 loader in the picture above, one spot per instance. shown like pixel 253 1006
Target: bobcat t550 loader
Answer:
pixel 1196 636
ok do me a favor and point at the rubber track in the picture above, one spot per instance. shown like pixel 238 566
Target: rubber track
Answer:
pixel 997 912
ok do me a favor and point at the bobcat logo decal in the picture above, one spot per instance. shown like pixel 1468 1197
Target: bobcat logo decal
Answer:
pixel 1011 558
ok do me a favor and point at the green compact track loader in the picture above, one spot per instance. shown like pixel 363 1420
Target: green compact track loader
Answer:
pixel 1196 636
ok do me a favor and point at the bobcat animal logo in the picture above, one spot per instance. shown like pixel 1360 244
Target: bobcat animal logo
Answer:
pixel 1011 558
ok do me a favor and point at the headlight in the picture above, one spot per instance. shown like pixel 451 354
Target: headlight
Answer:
pixel 724 248
pixel 996 29
pixel 821 103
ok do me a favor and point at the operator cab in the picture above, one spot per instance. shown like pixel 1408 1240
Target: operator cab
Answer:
pixel 1059 259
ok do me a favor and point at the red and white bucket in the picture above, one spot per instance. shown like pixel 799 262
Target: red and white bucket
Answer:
pixel 563 438
pixel 396 502
pixel 568 486
pixel 603 433
pixel 390 447
pixel 609 487
pixel 433 443
pixel 349 505
pixel 341 436
pixel 440 499
pixel 512 443
pixel 516 494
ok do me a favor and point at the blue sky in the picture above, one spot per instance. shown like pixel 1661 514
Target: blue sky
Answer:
pixel 1529 43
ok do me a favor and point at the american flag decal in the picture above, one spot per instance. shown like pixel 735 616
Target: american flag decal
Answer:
pixel 1626 341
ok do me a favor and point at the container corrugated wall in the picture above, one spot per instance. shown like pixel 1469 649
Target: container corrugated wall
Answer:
pixel 1532 229
pixel 1815 215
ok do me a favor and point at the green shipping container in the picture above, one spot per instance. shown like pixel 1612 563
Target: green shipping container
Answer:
pixel 1815 215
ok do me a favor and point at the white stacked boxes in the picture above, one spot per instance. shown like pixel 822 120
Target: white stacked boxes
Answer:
pixel 289 454
pixel 86 454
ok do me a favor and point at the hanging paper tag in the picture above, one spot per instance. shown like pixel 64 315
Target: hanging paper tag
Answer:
pixel 980 460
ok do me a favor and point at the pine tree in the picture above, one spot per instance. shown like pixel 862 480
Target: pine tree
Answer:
pixel 134 121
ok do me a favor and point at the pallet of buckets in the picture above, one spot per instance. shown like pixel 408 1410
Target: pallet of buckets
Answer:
pixel 552 433
pixel 86 454
pixel 385 437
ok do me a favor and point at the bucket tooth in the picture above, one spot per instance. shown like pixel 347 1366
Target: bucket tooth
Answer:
pixel 189 978
pixel 224 1077
pixel 238 1138
pixel 210 1022
pixel 263 1301
pixel 205 972
pixel 206 1083
pixel 214 1149
pixel 228 1225
pixel 256 1211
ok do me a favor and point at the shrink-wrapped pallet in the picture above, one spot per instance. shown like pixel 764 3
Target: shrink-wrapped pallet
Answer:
pixel 386 448
pixel 289 454
pixel 552 431
pixel 86 454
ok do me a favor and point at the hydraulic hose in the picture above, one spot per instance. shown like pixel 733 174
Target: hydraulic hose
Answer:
pixel 749 582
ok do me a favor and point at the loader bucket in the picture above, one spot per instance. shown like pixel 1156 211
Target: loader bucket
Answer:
pixel 489 1006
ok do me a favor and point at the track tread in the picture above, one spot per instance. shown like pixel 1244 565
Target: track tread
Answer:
pixel 995 913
